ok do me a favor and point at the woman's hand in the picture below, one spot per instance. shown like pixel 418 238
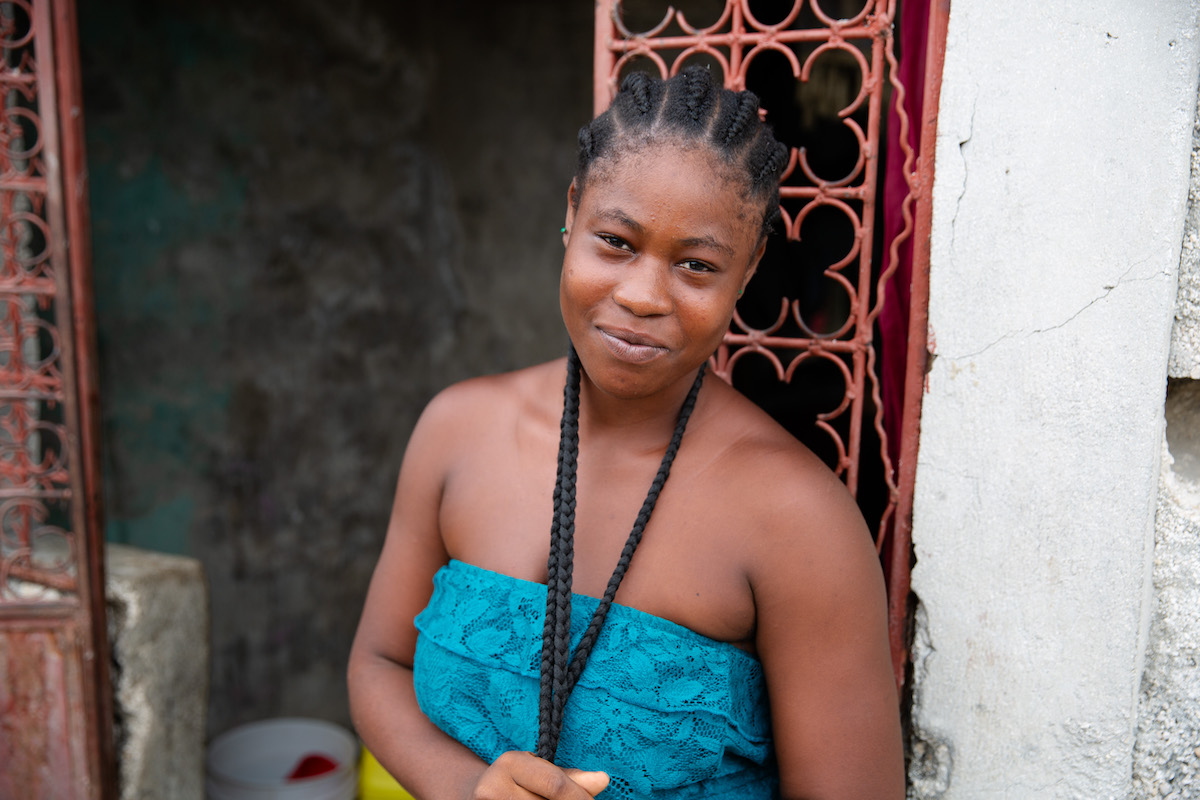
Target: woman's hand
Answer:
pixel 518 774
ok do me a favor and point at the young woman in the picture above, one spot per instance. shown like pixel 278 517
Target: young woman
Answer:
pixel 739 648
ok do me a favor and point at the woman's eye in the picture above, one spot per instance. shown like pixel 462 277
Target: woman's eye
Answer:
pixel 614 241
pixel 692 265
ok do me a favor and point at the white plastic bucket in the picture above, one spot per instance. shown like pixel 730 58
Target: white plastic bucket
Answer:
pixel 253 762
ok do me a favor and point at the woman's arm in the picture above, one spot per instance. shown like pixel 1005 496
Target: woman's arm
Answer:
pixel 383 704
pixel 822 638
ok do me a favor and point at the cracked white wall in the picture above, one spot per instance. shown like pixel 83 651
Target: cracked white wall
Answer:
pixel 1059 203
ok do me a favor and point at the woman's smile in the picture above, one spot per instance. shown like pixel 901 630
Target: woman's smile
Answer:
pixel 630 346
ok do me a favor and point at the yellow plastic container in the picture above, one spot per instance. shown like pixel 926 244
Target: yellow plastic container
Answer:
pixel 374 782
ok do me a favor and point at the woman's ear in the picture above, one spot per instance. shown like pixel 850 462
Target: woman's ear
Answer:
pixel 572 202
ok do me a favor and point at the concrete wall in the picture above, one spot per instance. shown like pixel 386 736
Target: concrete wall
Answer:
pixel 1167 753
pixel 308 217
pixel 1059 205
pixel 158 631
pixel 1185 333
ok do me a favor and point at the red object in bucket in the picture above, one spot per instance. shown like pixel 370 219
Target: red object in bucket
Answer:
pixel 312 765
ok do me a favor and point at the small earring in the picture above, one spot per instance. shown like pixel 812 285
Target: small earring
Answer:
pixel 564 230
pixel 741 292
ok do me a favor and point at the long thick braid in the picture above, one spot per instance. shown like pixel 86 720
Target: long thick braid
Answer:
pixel 559 671
pixel 556 635
pixel 558 565
pixel 566 558
pixel 547 661
pixel 579 661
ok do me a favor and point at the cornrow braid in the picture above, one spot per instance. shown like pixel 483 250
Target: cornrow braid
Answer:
pixel 559 673
pixel 642 92
pixel 689 107
pixel 697 95
pixel 737 119
pixel 772 163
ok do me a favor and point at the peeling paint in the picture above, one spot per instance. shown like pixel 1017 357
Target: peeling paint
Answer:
pixel 931 766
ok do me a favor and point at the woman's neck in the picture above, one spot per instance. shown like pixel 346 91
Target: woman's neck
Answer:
pixel 644 422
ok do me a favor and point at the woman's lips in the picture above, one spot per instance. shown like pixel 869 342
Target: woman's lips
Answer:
pixel 631 347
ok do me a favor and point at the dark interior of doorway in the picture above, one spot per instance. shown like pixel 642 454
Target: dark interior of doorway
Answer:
pixel 803 115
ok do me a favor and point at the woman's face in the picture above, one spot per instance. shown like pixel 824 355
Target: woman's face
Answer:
pixel 657 248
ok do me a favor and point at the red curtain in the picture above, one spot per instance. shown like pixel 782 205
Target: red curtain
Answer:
pixel 911 34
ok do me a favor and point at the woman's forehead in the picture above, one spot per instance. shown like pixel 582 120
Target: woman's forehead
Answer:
pixel 686 183
pixel 698 154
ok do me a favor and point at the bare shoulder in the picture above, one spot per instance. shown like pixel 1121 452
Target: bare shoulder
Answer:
pixel 793 497
pixel 802 540
pixel 462 403
pixel 464 410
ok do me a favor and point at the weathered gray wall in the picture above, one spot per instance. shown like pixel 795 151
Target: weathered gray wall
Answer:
pixel 157 610
pixel 1167 753
pixel 1185 333
pixel 307 218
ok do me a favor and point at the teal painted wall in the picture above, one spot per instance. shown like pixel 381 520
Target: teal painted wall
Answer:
pixel 306 220
pixel 156 415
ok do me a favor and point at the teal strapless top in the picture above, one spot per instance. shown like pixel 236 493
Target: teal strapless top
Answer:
pixel 666 712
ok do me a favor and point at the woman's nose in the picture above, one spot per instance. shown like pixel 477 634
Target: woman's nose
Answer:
pixel 643 289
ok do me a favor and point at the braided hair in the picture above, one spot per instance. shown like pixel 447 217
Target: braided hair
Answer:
pixel 559 669
pixel 689 107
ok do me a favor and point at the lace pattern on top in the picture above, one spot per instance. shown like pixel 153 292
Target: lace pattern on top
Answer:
pixel 667 712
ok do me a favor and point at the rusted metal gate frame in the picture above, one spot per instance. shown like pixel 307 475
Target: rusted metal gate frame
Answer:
pixel 742 36
pixel 73 615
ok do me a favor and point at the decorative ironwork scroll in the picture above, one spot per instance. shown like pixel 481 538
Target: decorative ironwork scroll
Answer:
pixel 803 341
pixel 55 727
pixel 39 556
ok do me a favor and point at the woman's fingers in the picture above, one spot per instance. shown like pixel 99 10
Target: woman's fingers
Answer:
pixel 523 775
pixel 591 782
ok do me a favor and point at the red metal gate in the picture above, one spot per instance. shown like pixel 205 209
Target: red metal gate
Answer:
pixel 55 699
pixel 839 330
